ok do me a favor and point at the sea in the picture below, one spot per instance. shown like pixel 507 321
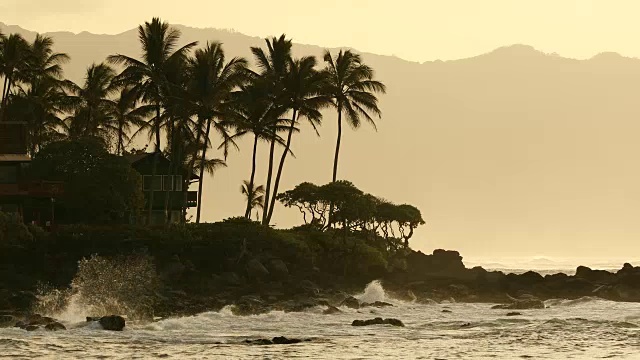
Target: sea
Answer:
pixel 586 328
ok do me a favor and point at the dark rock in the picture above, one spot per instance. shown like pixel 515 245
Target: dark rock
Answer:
pixel 278 269
pixel 281 340
pixel 31 327
pixel 378 304
pixel 23 300
pixel 514 313
pixel 231 278
pixel 55 326
pixel 331 310
pixel 446 311
pixel 377 321
pixel 255 270
pixel 596 276
pixel 112 323
pixel 351 302
pixel 7 321
pixel 259 342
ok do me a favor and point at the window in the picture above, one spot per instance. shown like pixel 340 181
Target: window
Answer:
pixel 157 183
pixel 8 174
pixel 167 182
pixel 178 183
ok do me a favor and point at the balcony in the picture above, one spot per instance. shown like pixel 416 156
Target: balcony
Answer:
pixel 178 201
pixel 50 189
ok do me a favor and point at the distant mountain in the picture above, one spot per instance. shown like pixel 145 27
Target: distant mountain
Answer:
pixel 507 152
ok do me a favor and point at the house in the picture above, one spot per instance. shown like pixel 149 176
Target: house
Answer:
pixel 167 182
pixel 33 201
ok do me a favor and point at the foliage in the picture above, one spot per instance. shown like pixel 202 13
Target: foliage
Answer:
pixel 354 210
pixel 99 187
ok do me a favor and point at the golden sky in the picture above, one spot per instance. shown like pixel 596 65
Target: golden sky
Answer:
pixel 412 29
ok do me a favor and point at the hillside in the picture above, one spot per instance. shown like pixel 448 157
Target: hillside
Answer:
pixel 507 152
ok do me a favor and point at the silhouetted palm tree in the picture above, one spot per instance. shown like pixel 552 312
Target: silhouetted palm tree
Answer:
pixel 273 66
pixel 14 52
pixel 304 97
pixel 91 103
pixel 211 82
pixel 158 40
pixel 126 114
pixel 252 115
pixel 352 88
pixel 254 195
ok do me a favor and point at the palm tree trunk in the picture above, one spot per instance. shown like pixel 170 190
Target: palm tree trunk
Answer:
pixel 247 212
pixel 281 166
pixel 187 181
pixel 154 167
pixel 168 192
pixel 5 94
pixel 335 163
pixel 267 192
pixel 204 156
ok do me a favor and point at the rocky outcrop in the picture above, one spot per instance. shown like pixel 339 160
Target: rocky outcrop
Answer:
pixel 256 271
pixel 110 323
pixel 278 269
pixel 278 340
pixel 377 321
pixel 330 310
pixel 351 302
pixel 35 322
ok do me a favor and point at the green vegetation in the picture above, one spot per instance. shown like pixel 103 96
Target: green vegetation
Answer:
pixel 100 188
pixel 196 98
pixel 354 211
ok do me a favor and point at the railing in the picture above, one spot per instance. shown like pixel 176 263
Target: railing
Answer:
pixel 177 199
pixel 35 188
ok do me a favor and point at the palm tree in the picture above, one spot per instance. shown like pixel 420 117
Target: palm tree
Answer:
pixel 13 59
pixel 39 105
pixel 352 88
pixel 42 62
pixel 92 104
pixel 211 82
pixel 125 114
pixel 304 97
pixel 252 114
pixel 158 40
pixel 254 195
pixel 273 65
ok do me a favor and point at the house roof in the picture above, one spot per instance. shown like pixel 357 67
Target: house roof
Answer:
pixel 134 158
pixel 14 158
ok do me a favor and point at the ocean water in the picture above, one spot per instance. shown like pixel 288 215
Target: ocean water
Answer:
pixel 586 328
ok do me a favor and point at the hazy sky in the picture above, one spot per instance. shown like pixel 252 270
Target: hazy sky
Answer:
pixel 412 29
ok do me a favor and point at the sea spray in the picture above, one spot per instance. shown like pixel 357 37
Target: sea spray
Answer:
pixel 124 285
pixel 372 293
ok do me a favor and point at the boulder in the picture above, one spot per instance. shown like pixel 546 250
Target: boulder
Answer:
pixel 55 326
pixel 7 321
pixel 255 270
pixel 331 310
pixel 514 313
pixel 377 321
pixel 447 311
pixel 378 304
pixel 351 302
pixel 112 323
pixel 278 269
pixel 281 340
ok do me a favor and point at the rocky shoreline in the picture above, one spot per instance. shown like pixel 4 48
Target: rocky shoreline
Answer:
pixel 429 279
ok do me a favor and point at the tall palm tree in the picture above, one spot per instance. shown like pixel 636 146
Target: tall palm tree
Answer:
pixel 304 97
pixel 211 83
pixel 126 114
pixel 352 88
pixel 39 105
pixel 43 62
pixel 254 195
pixel 159 49
pixel 273 65
pixel 252 114
pixel 92 104
pixel 13 59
